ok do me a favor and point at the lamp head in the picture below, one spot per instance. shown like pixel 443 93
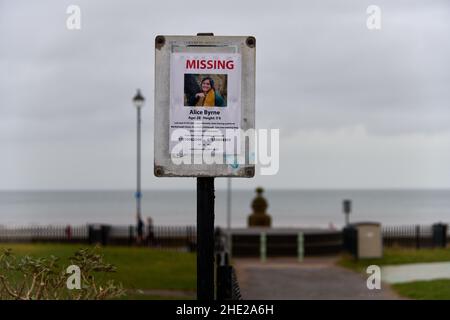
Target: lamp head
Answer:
pixel 138 99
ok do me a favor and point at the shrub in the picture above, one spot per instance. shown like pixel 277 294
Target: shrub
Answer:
pixel 28 278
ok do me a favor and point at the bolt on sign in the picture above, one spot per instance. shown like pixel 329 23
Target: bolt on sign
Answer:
pixel 204 106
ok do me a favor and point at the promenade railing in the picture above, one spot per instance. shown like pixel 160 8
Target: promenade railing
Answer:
pixel 155 236
pixel 244 242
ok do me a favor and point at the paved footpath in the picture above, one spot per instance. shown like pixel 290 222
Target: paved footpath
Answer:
pixel 416 272
pixel 314 278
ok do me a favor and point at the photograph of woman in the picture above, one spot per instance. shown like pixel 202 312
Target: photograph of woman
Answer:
pixel 205 95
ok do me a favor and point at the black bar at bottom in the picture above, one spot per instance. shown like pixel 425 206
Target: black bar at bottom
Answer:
pixel 205 239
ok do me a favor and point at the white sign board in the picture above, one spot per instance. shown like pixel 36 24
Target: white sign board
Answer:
pixel 204 88
pixel 204 106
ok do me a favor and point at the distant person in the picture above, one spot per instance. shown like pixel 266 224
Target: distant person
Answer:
pixel 68 232
pixel 140 229
pixel 208 97
pixel 150 233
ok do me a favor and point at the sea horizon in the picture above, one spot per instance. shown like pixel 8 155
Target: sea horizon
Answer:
pixel 236 189
pixel 317 208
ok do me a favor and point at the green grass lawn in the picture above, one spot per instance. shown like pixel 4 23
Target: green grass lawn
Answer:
pixel 424 290
pixel 393 256
pixel 434 289
pixel 137 268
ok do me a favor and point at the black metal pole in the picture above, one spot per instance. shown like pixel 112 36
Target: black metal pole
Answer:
pixel 205 238
pixel 205 234
pixel 228 244
pixel 138 165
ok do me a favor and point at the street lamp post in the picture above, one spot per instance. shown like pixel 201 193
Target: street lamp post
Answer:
pixel 138 102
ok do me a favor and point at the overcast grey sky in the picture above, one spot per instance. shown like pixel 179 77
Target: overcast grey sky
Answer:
pixel 356 108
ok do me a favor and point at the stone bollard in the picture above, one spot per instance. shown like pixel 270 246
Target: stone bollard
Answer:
pixel 439 235
pixel 259 217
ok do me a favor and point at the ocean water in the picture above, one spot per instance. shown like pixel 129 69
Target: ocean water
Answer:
pixel 288 208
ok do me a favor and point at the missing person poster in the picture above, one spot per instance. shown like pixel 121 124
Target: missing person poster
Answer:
pixel 205 101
